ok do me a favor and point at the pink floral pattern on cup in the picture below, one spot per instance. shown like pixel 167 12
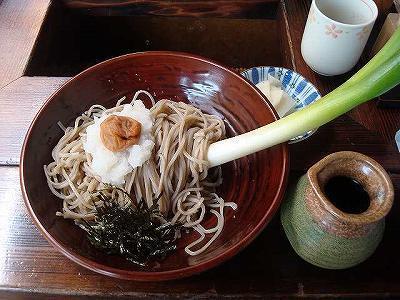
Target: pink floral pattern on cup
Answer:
pixel 363 33
pixel 331 30
pixel 331 47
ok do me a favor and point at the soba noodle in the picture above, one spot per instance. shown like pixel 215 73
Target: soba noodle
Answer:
pixel 177 173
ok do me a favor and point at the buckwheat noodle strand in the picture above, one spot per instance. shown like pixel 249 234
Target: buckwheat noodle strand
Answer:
pixel 177 173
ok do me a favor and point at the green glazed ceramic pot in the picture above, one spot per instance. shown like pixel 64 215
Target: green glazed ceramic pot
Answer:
pixel 322 234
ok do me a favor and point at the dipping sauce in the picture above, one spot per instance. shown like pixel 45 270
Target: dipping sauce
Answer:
pixel 347 194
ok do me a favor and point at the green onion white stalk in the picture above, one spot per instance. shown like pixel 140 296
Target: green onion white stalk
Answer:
pixel 378 76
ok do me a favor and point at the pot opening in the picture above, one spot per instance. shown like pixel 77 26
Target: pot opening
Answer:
pixel 351 188
pixel 347 194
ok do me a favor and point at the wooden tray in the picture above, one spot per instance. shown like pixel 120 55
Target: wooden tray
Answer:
pixel 43 43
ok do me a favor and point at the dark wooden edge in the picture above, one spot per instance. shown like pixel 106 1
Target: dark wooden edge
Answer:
pixel 43 294
pixel 288 57
pixel 391 99
pixel 22 97
pixel 20 25
pixel 250 9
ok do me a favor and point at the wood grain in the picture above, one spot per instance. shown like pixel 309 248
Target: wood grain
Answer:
pixel 87 40
pixel 196 8
pixel 386 121
pixel 29 267
pixel 286 43
pixel 344 134
pixel 20 22
pixel 20 101
pixel 383 121
pixel 24 97
pixel 384 6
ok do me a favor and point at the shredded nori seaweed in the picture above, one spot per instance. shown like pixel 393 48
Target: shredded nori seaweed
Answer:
pixel 134 232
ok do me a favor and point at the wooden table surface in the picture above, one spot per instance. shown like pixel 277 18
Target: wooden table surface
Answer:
pixel 30 268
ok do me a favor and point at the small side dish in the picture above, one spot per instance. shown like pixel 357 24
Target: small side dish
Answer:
pixel 287 91
pixel 272 88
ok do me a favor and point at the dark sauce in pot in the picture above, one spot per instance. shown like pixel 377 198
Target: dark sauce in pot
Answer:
pixel 347 194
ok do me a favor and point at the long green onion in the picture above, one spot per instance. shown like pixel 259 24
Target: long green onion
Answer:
pixel 378 76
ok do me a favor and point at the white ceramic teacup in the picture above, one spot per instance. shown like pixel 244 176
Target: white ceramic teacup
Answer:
pixel 336 33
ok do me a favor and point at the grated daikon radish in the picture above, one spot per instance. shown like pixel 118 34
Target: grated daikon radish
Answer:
pixel 281 101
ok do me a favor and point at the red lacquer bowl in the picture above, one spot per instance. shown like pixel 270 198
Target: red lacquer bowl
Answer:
pixel 256 183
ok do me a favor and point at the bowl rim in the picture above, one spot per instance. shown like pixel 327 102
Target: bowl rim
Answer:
pixel 155 275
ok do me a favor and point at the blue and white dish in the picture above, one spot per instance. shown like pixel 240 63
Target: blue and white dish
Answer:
pixel 300 90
